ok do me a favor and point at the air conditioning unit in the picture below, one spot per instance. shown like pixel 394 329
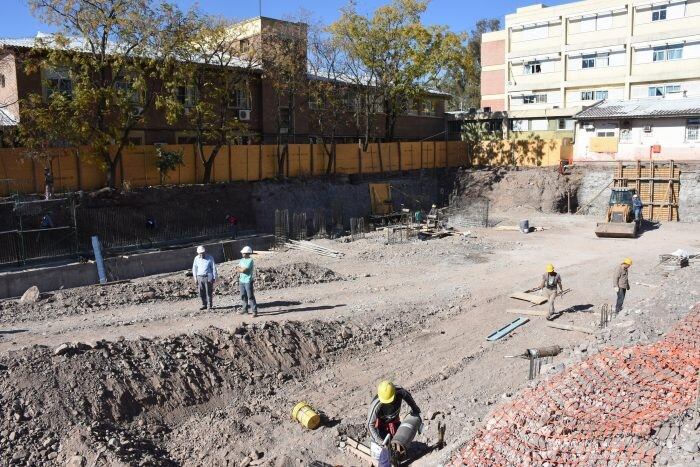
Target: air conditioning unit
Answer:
pixel 244 115
pixel 589 127
pixel 284 130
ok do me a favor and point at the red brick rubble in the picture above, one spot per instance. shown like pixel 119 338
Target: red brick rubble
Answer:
pixel 601 411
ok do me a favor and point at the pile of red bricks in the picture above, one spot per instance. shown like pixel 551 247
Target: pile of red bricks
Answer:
pixel 599 412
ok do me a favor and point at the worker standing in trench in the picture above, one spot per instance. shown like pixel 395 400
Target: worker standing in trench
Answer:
pixel 245 271
pixel 622 283
pixel 385 410
pixel 551 281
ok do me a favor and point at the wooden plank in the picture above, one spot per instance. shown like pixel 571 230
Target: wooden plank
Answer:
pixel 361 455
pixel 568 327
pixel 541 313
pixel 357 445
pixel 529 297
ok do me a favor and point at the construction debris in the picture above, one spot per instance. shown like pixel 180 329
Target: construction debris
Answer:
pixel 676 260
pixel 604 410
pixel 31 295
pixel 313 248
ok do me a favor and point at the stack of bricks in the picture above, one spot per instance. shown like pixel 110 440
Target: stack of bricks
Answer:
pixel 602 411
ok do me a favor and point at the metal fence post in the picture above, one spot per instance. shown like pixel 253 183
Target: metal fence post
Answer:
pixel 99 260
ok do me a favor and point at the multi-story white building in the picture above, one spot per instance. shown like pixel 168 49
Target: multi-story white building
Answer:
pixel 551 62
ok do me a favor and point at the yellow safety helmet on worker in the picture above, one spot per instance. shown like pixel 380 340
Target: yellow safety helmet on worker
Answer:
pixel 627 261
pixel 386 392
pixel 550 267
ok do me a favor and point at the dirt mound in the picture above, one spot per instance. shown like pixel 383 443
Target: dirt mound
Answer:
pixel 83 300
pixel 99 388
pixel 542 189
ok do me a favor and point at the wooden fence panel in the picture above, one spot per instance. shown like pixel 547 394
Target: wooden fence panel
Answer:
pixel 347 160
pixel 269 161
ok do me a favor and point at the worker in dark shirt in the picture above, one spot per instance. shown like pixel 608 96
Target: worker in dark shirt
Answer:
pixel 385 410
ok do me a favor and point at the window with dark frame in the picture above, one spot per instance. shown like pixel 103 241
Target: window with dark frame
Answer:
pixel 658 13
pixel 588 61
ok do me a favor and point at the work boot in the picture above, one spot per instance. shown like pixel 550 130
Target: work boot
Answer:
pixel 203 307
pixel 243 312
pixel 255 314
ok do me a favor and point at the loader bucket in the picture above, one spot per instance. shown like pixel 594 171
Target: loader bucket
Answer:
pixel 616 230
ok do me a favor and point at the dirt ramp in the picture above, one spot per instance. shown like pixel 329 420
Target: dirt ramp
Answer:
pixel 46 392
pixel 543 189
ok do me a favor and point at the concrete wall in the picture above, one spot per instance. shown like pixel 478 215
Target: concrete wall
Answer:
pixel 689 198
pixel 351 199
pixel 14 284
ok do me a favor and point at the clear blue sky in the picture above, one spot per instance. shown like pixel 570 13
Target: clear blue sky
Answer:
pixel 460 15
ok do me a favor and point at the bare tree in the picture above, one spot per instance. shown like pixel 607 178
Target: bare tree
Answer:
pixel 284 63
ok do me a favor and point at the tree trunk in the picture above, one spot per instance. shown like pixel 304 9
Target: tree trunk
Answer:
pixel 111 175
pixel 209 163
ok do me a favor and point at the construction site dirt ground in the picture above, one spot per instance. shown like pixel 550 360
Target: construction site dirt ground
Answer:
pixel 416 313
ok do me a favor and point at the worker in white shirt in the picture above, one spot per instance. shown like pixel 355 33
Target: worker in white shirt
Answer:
pixel 204 274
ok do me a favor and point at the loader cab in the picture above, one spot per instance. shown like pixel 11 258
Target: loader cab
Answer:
pixel 621 196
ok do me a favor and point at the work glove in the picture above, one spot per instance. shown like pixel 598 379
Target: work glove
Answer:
pixel 617 289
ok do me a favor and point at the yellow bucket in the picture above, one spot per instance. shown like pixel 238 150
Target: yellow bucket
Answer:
pixel 307 416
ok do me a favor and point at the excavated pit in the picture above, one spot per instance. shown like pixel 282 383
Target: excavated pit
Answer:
pixel 171 287
pixel 119 401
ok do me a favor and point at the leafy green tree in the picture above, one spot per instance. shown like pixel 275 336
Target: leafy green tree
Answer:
pixel 107 65
pixel 211 85
pixel 167 161
pixel 393 54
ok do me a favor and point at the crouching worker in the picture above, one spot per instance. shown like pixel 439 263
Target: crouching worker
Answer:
pixel 385 410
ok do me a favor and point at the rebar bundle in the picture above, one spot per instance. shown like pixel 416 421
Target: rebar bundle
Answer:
pixel 604 315
pixel 281 226
pixel 299 229
pixel 357 228
pixel 319 224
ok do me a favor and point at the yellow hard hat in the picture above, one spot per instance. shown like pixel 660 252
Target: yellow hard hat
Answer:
pixel 550 267
pixel 386 391
pixel 627 261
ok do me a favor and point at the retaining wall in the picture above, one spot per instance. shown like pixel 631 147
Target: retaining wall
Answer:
pixel 14 284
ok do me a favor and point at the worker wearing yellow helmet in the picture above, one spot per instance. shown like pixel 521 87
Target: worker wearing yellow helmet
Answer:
pixel 622 282
pixel 385 410
pixel 551 281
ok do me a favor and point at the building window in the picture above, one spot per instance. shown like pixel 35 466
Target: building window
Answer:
pixel 692 130
pixel 539 125
pixel 535 99
pixel 239 99
pixel 605 134
pixel 126 87
pixel 186 96
pixel 661 91
pixel 429 107
pixel 244 45
pixel 285 119
pixel 588 61
pixel 58 80
pixel 671 52
pixel 565 124
pixel 658 13
pixel 315 103
pixel 519 125
pixel 533 68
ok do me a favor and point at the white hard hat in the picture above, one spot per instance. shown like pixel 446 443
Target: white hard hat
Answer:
pixel 634 196
pixel 246 250
pixel 200 249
